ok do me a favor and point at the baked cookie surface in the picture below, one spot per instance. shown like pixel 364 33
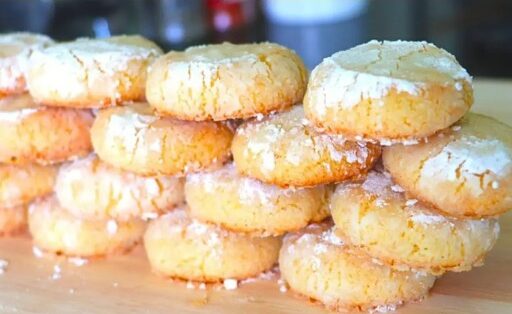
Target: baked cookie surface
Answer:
pixel 133 139
pixel 19 185
pixel 226 81
pixel 242 204
pixel 388 91
pixel 91 73
pixel 92 190
pixel 317 264
pixel 13 220
pixel 55 230
pixel 284 149
pixel 465 171
pixel 30 133
pixel 375 215
pixel 183 248
pixel 15 51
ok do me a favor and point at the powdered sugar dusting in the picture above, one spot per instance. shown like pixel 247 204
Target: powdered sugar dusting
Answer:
pixel 471 160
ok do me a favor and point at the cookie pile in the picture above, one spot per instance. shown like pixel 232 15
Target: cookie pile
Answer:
pixel 365 194
pixel 27 151
pixel 430 207
pixel 232 224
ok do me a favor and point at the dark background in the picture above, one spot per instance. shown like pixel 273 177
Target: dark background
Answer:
pixel 478 32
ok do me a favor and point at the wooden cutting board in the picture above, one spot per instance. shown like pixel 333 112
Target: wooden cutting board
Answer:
pixel 125 284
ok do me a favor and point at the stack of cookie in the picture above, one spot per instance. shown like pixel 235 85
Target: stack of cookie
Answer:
pixel 434 211
pixel 97 208
pixel 231 226
pixel 28 146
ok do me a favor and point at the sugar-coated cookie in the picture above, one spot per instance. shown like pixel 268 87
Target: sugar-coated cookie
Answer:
pixel 55 230
pixel 388 91
pixel 180 247
pixel 242 204
pixel 317 264
pixel 226 81
pixel 284 149
pixel 19 185
pixel 34 134
pixel 376 215
pixel 91 73
pixel 133 139
pixel 15 51
pixel 12 220
pixel 93 190
pixel 465 171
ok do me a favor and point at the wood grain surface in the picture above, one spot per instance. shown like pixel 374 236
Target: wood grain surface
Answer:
pixel 125 284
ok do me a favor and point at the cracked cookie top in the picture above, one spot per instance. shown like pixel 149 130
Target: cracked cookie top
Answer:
pixel 91 73
pixel 465 171
pixel 388 90
pixel 132 138
pixel 226 81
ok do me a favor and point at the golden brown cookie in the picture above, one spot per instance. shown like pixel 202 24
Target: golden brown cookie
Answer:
pixel 242 204
pixel 12 220
pixel 91 73
pixel 15 51
pixel 317 264
pixel 388 91
pixel 284 149
pixel 180 247
pixel 55 230
pixel 34 134
pixel 376 215
pixel 133 139
pixel 19 185
pixel 226 81
pixel 92 190
pixel 465 171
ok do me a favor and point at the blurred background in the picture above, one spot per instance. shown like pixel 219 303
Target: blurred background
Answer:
pixel 478 32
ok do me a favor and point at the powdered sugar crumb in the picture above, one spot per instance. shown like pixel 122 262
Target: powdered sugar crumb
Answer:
pixel 411 202
pixel 3 266
pixel 230 284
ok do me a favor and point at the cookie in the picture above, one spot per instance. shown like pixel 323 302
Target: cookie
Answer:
pixel 319 265
pixel 242 204
pixel 19 185
pixel 465 171
pixel 183 248
pixel 13 220
pixel 133 139
pixel 55 230
pixel 388 91
pixel 35 134
pixel 375 215
pixel 91 73
pixel 15 51
pixel 284 149
pixel 92 190
pixel 226 81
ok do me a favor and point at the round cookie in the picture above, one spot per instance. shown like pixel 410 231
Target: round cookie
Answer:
pixel 91 73
pixel 12 220
pixel 317 264
pixel 226 81
pixel 465 171
pixel 133 139
pixel 90 189
pixel 33 134
pixel 19 185
pixel 15 51
pixel 180 247
pixel 388 91
pixel 55 230
pixel 284 149
pixel 375 215
pixel 242 204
